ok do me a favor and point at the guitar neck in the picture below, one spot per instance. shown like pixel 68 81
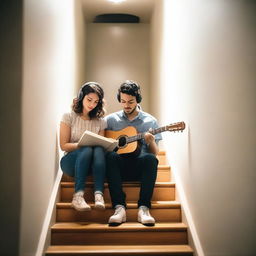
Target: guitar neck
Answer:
pixel 140 136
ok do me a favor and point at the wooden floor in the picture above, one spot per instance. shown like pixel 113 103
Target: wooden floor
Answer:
pixel 87 233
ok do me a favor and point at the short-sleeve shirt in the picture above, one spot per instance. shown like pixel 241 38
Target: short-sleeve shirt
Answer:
pixel 79 125
pixel 142 122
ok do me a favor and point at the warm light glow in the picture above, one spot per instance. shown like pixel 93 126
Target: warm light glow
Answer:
pixel 116 1
pixel 64 54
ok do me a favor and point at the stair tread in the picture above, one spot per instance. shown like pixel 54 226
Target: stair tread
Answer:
pixel 127 226
pixel 113 249
pixel 168 184
pixel 163 167
pixel 131 205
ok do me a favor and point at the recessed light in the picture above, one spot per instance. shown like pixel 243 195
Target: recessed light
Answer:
pixel 116 1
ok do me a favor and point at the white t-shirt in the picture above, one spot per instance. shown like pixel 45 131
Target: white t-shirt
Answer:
pixel 79 125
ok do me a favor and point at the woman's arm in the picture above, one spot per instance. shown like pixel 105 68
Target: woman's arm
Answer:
pixel 65 135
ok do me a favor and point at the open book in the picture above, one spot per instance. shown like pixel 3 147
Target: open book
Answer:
pixel 92 139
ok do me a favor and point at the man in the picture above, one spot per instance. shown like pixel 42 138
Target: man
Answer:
pixel 142 167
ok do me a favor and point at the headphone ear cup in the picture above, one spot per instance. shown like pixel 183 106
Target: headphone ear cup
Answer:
pixel 136 88
pixel 118 96
pixel 80 94
pixel 138 97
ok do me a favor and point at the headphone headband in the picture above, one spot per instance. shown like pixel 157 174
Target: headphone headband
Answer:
pixel 80 93
pixel 130 87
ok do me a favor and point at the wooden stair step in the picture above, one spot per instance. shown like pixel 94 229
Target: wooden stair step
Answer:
pixel 163 191
pixel 85 233
pixel 117 250
pixel 161 158
pixel 163 174
pixel 163 211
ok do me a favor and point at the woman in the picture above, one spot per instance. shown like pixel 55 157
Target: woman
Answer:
pixel 87 112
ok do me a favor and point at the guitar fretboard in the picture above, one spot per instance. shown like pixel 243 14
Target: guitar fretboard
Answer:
pixel 140 136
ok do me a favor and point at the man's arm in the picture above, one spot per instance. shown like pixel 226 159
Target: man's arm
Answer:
pixel 150 140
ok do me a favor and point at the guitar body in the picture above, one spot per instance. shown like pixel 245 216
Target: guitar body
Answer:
pixel 128 137
pixel 121 135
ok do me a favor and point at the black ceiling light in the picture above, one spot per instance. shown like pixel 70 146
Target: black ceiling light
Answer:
pixel 116 18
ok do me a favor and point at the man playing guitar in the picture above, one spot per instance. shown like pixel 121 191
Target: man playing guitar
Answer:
pixel 141 166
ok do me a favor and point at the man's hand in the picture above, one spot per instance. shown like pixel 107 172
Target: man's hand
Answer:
pixel 149 138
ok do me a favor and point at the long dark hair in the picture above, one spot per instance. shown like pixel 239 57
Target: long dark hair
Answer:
pixel 90 87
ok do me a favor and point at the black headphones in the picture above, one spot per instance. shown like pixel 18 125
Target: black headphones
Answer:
pixel 130 87
pixel 80 93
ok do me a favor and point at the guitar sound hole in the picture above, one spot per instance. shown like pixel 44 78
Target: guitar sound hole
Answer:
pixel 122 142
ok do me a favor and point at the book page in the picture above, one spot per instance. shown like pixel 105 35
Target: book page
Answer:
pixel 92 139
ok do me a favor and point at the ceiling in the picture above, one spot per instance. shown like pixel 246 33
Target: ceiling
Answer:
pixel 141 8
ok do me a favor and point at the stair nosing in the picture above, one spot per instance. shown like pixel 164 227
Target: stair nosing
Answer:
pixel 70 227
pixel 185 248
pixel 67 184
pixel 130 205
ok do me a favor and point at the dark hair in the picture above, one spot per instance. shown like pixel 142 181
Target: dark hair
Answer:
pixel 90 87
pixel 131 88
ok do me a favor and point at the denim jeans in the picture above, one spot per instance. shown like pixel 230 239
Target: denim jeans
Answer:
pixel 80 162
pixel 142 168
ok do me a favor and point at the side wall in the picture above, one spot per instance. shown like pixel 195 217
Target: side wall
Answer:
pixel 209 82
pixel 49 80
pixel 156 55
pixel 115 53
pixel 10 124
pixel 80 44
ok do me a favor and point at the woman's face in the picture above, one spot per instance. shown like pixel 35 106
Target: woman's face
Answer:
pixel 90 101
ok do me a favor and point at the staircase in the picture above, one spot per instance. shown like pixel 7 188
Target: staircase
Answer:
pixel 87 233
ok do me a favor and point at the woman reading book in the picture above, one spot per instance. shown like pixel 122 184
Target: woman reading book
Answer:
pixel 87 112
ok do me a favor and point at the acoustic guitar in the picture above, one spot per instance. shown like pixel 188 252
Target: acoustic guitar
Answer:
pixel 128 137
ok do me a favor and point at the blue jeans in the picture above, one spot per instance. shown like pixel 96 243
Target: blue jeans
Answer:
pixel 79 163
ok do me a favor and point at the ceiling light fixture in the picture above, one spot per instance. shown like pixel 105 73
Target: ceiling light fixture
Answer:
pixel 116 1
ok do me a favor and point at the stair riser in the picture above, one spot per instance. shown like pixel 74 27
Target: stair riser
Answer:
pixel 71 215
pixel 120 238
pixel 161 159
pixel 132 194
pixel 139 253
pixel 162 176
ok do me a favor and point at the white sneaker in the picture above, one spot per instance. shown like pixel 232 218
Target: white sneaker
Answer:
pixel 99 201
pixel 118 217
pixel 144 216
pixel 79 203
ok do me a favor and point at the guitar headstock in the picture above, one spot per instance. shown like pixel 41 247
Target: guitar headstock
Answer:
pixel 180 126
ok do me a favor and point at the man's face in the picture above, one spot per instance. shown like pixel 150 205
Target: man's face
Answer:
pixel 128 103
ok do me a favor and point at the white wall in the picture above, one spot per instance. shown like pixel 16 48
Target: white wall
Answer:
pixel 156 56
pixel 209 82
pixel 115 53
pixel 49 79
pixel 80 44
